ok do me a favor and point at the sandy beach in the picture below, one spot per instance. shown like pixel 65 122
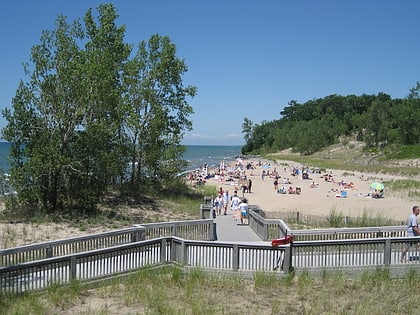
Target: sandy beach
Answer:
pixel 323 198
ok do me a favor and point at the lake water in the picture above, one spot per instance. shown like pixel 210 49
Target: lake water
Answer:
pixel 196 155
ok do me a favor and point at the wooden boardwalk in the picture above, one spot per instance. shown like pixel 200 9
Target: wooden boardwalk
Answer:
pixel 230 230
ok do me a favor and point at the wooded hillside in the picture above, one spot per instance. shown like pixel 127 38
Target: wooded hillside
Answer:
pixel 378 120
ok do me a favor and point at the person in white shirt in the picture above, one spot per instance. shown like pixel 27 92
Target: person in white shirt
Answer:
pixel 225 202
pixel 412 231
pixel 218 204
pixel 234 205
pixel 243 208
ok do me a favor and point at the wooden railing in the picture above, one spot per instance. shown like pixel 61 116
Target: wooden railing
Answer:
pixel 312 256
pixel 349 233
pixel 195 229
pixel 189 243
pixel 202 230
pixel 16 255
pixel 353 255
pixel 89 265
pixel 269 229
pixel 266 229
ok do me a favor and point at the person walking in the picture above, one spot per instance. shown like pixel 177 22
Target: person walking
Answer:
pixel 225 202
pixel 234 204
pixel 276 184
pixel 249 185
pixel 218 203
pixel 244 208
pixel 412 230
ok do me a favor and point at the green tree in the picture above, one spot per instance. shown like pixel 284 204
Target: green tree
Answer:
pixel 247 128
pixel 47 111
pixel 379 121
pixel 71 125
pixel 414 92
pixel 158 111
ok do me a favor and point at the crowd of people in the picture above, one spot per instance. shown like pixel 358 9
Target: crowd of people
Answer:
pixel 241 172
pixel 223 202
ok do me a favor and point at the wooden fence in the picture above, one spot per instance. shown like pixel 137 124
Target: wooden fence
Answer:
pixel 190 244
pixel 269 229
pixel 311 256
pixel 194 229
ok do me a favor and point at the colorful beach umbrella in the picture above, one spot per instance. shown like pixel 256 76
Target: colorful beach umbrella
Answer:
pixel 377 186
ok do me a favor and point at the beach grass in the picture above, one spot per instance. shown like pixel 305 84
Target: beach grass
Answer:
pixel 171 290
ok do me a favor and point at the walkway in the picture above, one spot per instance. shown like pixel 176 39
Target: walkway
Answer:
pixel 228 230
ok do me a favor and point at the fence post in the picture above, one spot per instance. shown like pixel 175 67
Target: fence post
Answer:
pixel 287 264
pixel 265 232
pixel 72 268
pixel 184 253
pixel 134 237
pixel 235 257
pixel 163 250
pixel 387 252
pixel 213 232
pixel 49 251
pixel 174 251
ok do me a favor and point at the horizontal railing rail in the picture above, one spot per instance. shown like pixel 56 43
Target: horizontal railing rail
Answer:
pixel 95 264
pixel 349 233
pixel 313 256
pixel 193 229
pixel 269 229
pixel 266 229
pixel 16 255
pixel 202 230
pixel 351 254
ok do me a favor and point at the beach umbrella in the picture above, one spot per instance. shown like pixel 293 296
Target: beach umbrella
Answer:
pixel 377 186
pixel 266 166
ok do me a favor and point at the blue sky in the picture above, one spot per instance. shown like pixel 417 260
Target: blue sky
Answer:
pixel 247 58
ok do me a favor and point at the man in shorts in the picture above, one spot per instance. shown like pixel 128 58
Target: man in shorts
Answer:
pixel 412 230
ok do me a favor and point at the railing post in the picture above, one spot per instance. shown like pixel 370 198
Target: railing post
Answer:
pixel 235 257
pixel 287 264
pixel 72 268
pixel 134 237
pixel 49 251
pixel 184 253
pixel 163 250
pixel 174 251
pixel 387 252
pixel 265 232
pixel 213 232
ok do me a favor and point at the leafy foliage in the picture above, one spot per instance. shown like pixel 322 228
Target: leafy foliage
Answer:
pixel 89 107
pixel 378 120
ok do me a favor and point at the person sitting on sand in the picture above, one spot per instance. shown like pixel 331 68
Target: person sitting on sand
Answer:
pixel 349 186
pixel 378 193
pixel 291 190
pixel 282 190
pixel 313 185
pixel 286 181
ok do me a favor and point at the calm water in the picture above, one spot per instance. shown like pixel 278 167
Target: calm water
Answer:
pixel 196 155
